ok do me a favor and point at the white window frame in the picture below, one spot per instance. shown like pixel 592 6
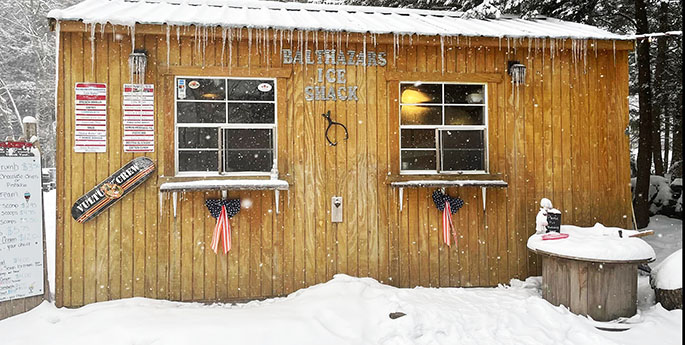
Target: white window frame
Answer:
pixel 221 127
pixel 443 127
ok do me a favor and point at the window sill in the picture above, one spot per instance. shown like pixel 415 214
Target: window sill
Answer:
pixel 449 183
pixel 488 181
pixel 228 184
pixel 223 186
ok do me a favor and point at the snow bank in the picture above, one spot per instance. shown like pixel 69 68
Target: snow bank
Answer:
pixel 595 243
pixel 669 274
pixel 667 238
pixel 345 310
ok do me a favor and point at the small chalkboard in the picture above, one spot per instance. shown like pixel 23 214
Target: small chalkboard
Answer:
pixel 553 222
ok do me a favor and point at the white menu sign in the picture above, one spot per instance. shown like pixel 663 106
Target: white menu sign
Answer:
pixel 91 117
pixel 21 228
pixel 139 118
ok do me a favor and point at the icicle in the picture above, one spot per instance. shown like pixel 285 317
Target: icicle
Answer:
pixel 132 29
pixel 58 34
pixel 92 49
pixel 230 48
pixel 249 47
pixel 174 197
pixel 585 56
pixel 161 203
pixel 613 42
pixel 223 45
pixel 364 48
pixel 395 42
pixel 168 45
pixel 442 54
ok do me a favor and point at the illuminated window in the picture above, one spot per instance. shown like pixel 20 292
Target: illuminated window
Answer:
pixel 443 128
pixel 225 126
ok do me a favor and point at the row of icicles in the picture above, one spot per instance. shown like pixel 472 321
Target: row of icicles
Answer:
pixel 267 40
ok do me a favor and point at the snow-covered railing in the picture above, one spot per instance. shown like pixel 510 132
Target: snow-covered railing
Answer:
pixel 448 183
pixel 224 186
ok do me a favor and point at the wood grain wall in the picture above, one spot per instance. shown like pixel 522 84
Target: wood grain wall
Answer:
pixel 560 136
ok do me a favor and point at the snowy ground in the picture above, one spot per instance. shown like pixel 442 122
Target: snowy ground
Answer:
pixel 349 310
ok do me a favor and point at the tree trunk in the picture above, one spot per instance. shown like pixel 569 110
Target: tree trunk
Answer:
pixel 677 161
pixel 661 101
pixel 644 155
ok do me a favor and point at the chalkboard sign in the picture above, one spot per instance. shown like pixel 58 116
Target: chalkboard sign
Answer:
pixel 553 222
pixel 21 224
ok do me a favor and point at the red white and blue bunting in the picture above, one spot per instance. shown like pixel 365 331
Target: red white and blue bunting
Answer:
pixel 222 210
pixel 448 205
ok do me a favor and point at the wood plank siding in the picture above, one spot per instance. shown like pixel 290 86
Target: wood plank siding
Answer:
pixel 559 136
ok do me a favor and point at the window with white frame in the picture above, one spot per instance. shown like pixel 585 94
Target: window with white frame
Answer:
pixel 225 126
pixel 443 128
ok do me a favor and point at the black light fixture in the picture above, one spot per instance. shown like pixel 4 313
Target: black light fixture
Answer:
pixel 517 71
pixel 137 63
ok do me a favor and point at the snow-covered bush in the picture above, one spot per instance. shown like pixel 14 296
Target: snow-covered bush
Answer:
pixel 662 198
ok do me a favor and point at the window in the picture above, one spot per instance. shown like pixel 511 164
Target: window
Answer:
pixel 225 126
pixel 443 128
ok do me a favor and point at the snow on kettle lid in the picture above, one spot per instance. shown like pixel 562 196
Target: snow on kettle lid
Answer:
pixel 326 17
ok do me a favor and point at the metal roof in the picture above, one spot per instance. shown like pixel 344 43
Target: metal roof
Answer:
pixel 314 17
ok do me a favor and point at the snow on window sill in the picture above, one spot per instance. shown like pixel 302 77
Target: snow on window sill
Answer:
pixel 233 184
pixel 449 183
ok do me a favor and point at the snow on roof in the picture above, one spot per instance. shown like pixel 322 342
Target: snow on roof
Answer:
pixel 325 17
pixel 29 119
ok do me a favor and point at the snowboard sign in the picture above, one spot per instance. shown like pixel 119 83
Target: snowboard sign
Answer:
pixel 112 189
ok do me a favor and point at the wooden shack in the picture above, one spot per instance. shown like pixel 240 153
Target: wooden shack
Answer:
pixel 497 112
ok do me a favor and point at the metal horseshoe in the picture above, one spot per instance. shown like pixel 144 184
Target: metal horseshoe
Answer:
pixel 327 115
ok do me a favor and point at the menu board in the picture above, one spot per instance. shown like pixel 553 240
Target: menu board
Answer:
pixel 91 117
pixel 139 118
pixel 21 228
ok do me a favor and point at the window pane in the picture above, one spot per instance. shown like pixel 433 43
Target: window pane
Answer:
pixel 249 90
pixel 418 138
pixel 251 112
pixel 464 94
pixel 462 139
pixel 462 159
pixel 201 112
pixel 463 150
pixel 418 160
pixel 422 93
pixel 248 160
pixel 248 139
pixel 197 138
pixel 464 115
pixel 204 89
pixel 197 161
pixel 421 115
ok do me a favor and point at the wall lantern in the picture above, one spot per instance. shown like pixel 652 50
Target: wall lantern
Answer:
pixel 517 71
pixel 137 63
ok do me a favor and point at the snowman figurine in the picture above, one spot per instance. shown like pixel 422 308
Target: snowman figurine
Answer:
pixel 541 218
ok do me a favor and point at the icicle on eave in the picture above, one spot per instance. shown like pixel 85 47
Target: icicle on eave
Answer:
pixel 57 64
pixel 92 48
pixel 442 54
pixel 168 46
